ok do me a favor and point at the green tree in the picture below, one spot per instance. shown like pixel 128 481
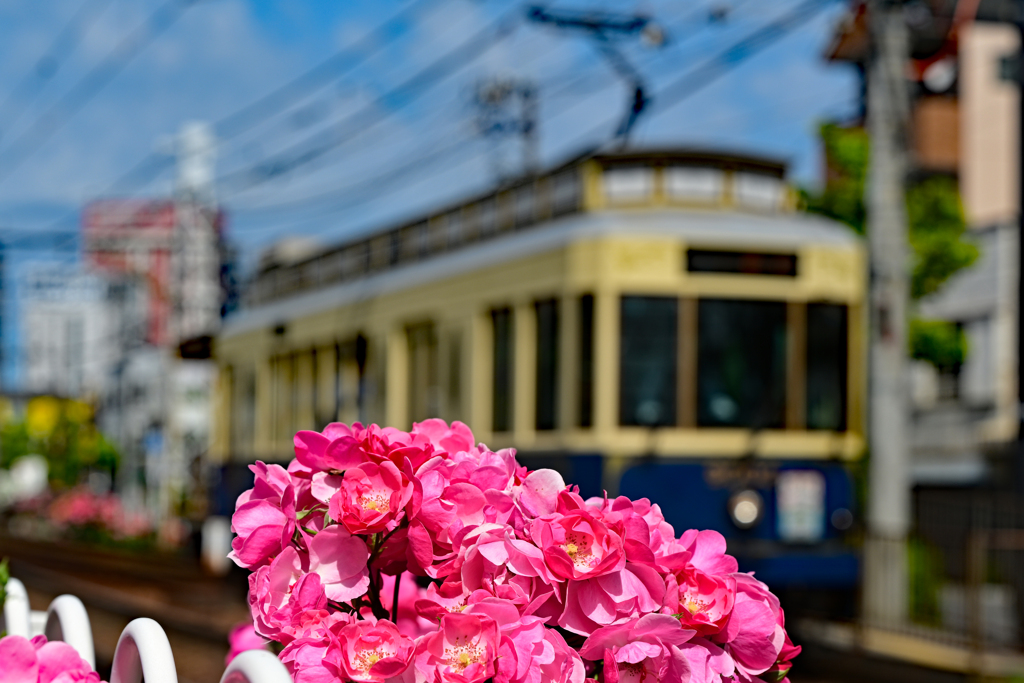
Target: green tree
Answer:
pixel 935 222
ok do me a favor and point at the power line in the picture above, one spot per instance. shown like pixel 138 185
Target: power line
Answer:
pixel 371 43
pixel 98 78
pixel 694 80
pixel 366 117
pixel 426 156
pixel 47 66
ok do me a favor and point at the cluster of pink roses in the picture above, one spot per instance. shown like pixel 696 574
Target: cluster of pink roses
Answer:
pixel 528 582
pixel 80 507
pixel 38 661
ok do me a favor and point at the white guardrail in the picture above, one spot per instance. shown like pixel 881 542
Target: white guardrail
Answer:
pixel 142 652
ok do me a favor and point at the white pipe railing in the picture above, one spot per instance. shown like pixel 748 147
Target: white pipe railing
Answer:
pixel 256 666
pixel 17 612
pixel 143 652
pixel 67 620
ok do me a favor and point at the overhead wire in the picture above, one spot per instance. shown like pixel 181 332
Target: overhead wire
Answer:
pixel 369 116
pixel 699 77
pixel 15 104
pixel 267 106
pixel 54 118
pixel 347 59
pixel 354 193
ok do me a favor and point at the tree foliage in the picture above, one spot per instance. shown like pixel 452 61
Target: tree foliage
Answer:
pixel 64 433
pixel 935 223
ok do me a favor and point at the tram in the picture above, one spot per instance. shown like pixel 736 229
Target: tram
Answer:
pixel 655 323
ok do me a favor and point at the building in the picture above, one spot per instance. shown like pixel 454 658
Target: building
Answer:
pixel 658 323
pixel 70 331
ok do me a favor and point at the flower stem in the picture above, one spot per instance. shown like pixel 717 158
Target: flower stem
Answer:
pixel 394 599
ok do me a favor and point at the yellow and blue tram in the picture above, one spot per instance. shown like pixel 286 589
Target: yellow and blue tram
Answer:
pixel 652 323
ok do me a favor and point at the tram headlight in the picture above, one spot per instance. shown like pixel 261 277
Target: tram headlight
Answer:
pixel 746 508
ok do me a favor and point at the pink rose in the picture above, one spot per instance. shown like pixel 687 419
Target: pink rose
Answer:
pixel 340 560
pixel 538 494
pixel 703 602
pixel 463 650
pixel 642 648
pixel 449 440
pixel 371 653
pixel 243 637
pixel 38 661
pixel 306 659
pixel 752 636
pixel 340 447
pixel 264 518
pixel 611 598
pixel 704 550
pixel 409 623
pixel 282 593
pixel 529 651
pixel 578 545
pixel 372 498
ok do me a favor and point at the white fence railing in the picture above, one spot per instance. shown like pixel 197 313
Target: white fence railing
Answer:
pixel 142 652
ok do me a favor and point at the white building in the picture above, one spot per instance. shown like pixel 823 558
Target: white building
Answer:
pixel 70 331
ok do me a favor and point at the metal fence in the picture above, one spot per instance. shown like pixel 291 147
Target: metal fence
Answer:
pixel 965 569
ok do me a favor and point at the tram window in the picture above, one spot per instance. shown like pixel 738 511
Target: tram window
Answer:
pixel 526 205
pixel 759 191
pixel 741 363
pixel 565 193
pixel 501 420
pixel 647 364
pixel 454 377
pixel 243 422
pixel 547 364
pixel 700 184
pixel 586 406
pixel 826 366
pixel 628 184
pixel 423 384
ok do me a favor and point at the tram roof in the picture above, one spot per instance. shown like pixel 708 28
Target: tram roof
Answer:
pixel 710 228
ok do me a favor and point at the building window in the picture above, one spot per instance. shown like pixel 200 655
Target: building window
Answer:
pixel 586 350
pixel 501 399
pixel 826 366
pixel 647 366
pixel 741 363
pixel 423 384
pixel 547 364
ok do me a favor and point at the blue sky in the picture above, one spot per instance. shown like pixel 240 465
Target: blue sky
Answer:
pixel 224 54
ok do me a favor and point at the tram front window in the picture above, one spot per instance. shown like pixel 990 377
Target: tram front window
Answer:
pixel 741 364
pixel 826 366
pixel 648 361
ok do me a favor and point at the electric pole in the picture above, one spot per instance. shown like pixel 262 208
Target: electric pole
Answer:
pixel 888 514
pixel 499 117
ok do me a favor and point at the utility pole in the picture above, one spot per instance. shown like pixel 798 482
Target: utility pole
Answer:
pixel 888 514
pixel 196 305
pixel 498 117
